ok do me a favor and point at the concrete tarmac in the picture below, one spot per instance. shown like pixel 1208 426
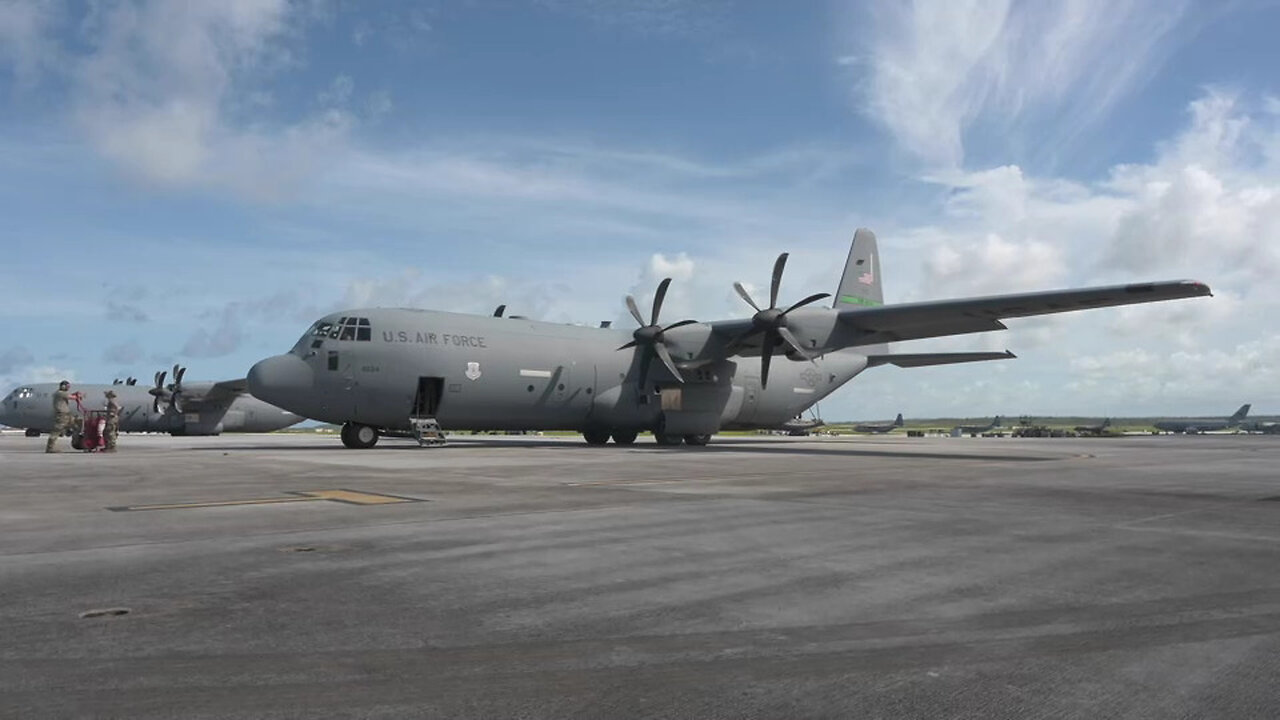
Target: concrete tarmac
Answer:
pixel 541 578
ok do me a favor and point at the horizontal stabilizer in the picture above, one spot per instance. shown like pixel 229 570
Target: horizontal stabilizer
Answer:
pixel 909 360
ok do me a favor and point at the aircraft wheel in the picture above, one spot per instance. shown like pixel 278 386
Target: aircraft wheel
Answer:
pixel 624 437
pixel 358 436
pixel 662 439
pixel 596 436
pixel 697 440
pixel 77 441
pixel 32 432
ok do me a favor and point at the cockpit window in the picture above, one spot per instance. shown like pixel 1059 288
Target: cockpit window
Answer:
pixel 352 328
pixel 23 393
pixel 322 328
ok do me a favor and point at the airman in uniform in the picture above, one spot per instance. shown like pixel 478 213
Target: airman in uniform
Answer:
pixel 63 420
pixel 113 422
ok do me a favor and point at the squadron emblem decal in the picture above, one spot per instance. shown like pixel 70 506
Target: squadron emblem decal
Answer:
pixel 810 377
pixel 473 371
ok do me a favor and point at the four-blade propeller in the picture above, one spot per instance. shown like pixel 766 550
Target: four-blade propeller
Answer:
pixel 772 321
pixel 649 336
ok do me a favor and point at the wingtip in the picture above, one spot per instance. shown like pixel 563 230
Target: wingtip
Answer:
pixel 1199 287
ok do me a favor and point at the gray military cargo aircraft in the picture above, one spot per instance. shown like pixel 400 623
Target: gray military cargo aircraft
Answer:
pixel 178 408
pixel 976 429
pixel 1193 426
pixel 374 370
pixel 880 428
pixel 1099 429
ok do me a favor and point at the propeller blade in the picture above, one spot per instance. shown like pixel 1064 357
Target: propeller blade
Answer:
pixel 791 340
pixel 665 356
pixel 766 357
pixel 175 373
pixel 498 311
pixel 628 345
pixel 645 359
pixel 160 376
pixel 635 311
pixel 743 292
pixel 658 297
pixel 682 323
pixel 155 405
pixel 778 266
pixel 177 378
pixel 812 298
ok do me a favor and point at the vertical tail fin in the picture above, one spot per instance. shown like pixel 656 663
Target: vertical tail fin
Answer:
pixel 860 283
pixel 898 422
pixel 1242 412
pixel 996 423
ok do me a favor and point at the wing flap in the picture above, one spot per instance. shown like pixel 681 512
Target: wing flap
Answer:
pixel 910 360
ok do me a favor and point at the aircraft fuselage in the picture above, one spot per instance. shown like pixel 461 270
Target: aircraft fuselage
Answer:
pixel 496 373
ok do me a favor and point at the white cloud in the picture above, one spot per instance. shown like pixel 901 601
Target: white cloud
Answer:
pixel 1208 379
pixel 24 37
pixel 173 92
pixel 935 68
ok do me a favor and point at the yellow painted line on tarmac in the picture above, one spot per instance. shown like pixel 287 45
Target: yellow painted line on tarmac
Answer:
pixel 339 495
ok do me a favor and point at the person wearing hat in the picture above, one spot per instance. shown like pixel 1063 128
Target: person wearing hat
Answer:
pixel 63 420
pixel 113 422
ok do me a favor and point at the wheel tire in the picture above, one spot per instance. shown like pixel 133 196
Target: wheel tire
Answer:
pixel 358 436
pixel 697 440
pixel 668 440
pixel 32 432
pixel 624 437
pixel 596 436
pixel 77 441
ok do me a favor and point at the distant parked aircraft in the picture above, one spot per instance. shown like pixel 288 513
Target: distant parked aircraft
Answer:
pixel 976 429
pixel 880 428
pixel 1094 429
pixel 1192 426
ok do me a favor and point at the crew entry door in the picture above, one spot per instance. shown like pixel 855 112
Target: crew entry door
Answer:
pixel 426 401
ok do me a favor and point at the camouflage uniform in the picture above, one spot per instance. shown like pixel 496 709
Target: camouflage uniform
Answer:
pixel 63 420
pixel 113 422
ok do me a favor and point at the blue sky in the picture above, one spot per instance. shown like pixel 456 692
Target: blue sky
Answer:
pixel 195 183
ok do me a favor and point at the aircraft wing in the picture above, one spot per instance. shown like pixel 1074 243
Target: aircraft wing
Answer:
pixel 910 360
pixel 197 394
pixel 910 321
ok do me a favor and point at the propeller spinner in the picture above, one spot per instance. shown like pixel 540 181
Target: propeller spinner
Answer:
pixel 649 337
pixel 772 321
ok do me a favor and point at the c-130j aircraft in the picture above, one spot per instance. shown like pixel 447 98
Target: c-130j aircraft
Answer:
pixel 374 370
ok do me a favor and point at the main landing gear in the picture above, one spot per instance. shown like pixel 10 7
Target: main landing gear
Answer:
pixel 358 436
pixel 598 436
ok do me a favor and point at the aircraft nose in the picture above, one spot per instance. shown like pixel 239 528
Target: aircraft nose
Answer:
pixel 282 380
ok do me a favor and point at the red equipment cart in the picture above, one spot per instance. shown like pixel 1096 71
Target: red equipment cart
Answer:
pixel 91 435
